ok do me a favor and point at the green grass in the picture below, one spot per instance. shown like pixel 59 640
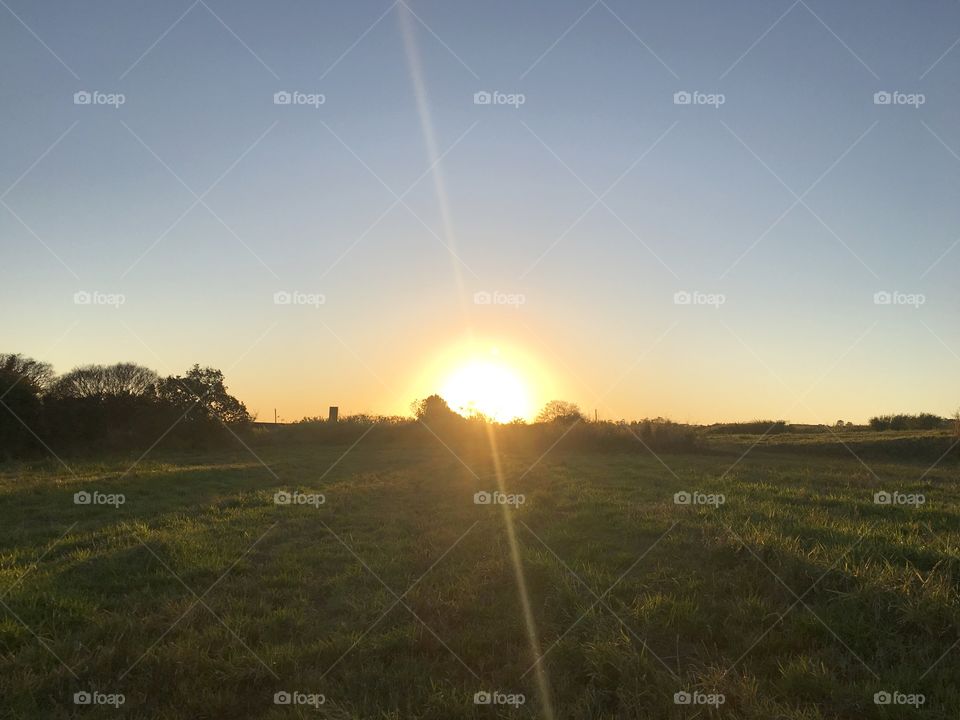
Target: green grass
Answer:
pixel 297 598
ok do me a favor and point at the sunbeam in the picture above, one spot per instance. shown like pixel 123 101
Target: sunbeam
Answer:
pixel 426 123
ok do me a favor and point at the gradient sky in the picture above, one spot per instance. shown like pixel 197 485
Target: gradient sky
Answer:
pixel 97 198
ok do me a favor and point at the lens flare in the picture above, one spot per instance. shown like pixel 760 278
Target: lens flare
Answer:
pixel 492 388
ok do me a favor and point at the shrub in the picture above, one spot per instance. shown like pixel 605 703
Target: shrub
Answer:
pixel 756 427
pixel 923 421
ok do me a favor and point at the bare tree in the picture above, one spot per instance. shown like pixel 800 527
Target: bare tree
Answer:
pixel 39 375
pixel 122 379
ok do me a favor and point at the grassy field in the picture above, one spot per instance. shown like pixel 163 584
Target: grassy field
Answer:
pixel 397 597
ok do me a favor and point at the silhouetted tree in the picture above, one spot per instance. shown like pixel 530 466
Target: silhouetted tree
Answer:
pixel 101 381
pixel 22 382
pixel 560 411
pixel 97 406
pixel 39 374
pixel 201 395
pixel 114 407
pixel 434 410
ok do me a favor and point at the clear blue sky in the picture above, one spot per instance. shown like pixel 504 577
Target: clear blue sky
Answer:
pixel 798 336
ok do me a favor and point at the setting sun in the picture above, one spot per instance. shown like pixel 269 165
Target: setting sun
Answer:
pixel 490 387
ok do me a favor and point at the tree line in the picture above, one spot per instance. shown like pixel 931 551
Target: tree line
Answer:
pixel 110 407
pixel 923 421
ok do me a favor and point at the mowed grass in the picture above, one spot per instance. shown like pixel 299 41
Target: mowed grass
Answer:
pixel 200 597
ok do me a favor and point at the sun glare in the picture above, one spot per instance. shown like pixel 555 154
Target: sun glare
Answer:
pixel 489 387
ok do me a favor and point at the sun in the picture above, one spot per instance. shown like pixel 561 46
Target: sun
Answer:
pixel 488 386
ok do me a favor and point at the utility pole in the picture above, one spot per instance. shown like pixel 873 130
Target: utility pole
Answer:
pixel 274 416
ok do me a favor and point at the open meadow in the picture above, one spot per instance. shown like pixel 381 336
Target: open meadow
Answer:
pixel 436 360
pixel 381 586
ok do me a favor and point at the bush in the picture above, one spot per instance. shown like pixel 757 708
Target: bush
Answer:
pixel 756 427
pixel 923 421
pixel 472 436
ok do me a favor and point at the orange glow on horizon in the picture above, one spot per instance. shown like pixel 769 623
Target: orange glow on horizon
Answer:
pixel 499 382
